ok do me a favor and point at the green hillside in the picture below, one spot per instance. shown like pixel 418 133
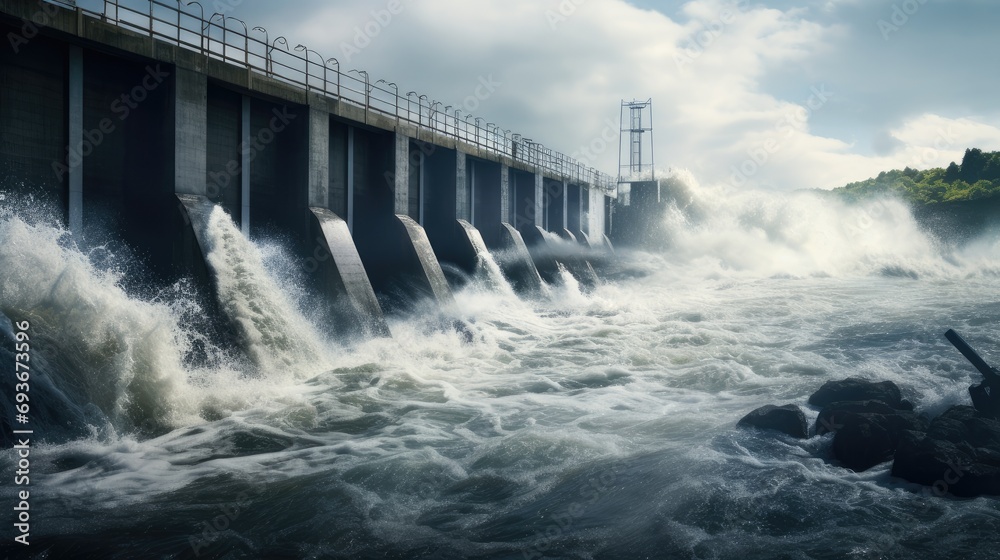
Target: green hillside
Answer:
pixel 978 177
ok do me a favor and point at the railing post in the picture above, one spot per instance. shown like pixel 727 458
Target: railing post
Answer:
pixel 511 147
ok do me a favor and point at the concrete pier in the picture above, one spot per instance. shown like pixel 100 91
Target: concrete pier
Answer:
pixel 516 263
pixel 111 122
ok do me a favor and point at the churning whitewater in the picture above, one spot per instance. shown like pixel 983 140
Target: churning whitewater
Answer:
pixel 573 424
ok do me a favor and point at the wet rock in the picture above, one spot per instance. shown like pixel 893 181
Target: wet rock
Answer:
pixel 833 415
pixel 788 419
pixel 857 390
pixel 960 454
pixel 963 424
pixel 860 445
pixel 867 433
pixel 984 398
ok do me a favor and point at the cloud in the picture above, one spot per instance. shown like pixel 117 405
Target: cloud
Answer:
pixel 727 78
pixel 935 141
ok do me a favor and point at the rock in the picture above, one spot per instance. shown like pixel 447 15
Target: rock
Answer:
pixel 860 445
pixel 833 415
pixel 984 398
pixel 865 439
pixel 788 419
pixel 926 461
pixel 958 469
pixel 963 424
pixel 960 454
pixel 857 390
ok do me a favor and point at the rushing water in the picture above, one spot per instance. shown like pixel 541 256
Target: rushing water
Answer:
pixel 575 425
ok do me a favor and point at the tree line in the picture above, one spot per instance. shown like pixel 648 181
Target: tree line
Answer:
pixel 978 177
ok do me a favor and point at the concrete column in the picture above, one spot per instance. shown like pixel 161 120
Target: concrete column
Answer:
pixel 596 212
pixel 245 168
pixel 539 200
pixel 190 132
pixel 591 225
pixel 422 181
pixel 565 208
pixel 461 188
pixel 76 140
pixel 350 178
pixel 319 158
pixel 471 170
pixel 401 183
pixel 506 214
pixel 601 212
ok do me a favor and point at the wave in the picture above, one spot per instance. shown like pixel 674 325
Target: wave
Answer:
pixel 120 354
pixel 114 356
pixel 727 231
pixel 278 337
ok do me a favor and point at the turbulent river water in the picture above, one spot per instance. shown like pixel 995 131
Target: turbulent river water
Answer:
pixel 574 424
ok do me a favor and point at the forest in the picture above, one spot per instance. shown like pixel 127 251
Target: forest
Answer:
pixel 978 177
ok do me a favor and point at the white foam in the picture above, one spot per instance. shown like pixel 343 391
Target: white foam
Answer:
pixel 732 232
pixel 280 341
pixel 125 354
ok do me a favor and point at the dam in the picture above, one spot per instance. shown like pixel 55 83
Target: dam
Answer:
pixel 237 318
pixel 139 121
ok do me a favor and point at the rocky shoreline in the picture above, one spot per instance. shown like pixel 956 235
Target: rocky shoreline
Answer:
pixel 956 452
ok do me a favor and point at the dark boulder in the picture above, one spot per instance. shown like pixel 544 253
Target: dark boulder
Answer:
pixel 860 445
pixel 788 419
pixel 833 415
pixel 963 424
pixel 926 461
pixel 857 389
pixel 985 399
pixel 865 439
pixel 960 454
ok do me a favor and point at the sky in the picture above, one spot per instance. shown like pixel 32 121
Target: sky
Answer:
pixel 768 94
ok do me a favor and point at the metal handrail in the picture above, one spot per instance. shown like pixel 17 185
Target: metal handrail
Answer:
pixel 238 48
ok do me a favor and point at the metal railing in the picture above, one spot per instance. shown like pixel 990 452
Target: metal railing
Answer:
pixel 232 41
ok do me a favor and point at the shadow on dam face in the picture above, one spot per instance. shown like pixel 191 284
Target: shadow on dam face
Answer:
pixel 340 271
pixel 338 275
pixel 405 269
pixel 549 251
pixel 516 263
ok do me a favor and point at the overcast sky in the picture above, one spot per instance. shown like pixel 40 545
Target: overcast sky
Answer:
pixel 819 92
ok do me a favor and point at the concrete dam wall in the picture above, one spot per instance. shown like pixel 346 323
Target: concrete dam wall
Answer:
pixel 135 126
